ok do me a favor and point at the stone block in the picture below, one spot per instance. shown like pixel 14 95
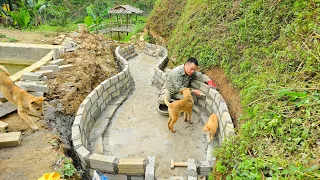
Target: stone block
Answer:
pixel 212 93
pixel 10 139
pixel 223 108
pixel 3 127
pixel 76 143
pixel 131 171
pixel 205 167
pixel 149 175
pixel 86 103
pixel 204 88
pixel 82 154
pixel 7 108
pixel 192 178
pixel 103 163
pixel 93 96
pixel 115 94
pixel 114 80
pixel 99 90
pixel 131 163
pixel 57 62
pixel 217 99
pixel 209 157
pixel 37 94
pixel 81 110
pixel 39 88
pixel 121 75
pixel 215 108
pixel 53 68
pixel 24 85
pixel 106 84
pixel 202 103
pixel 192 168
pixel 116 176
pixel 48 73
pixel 75 132
pixel 31 76
pixel 119 85
pixel 112 89
pixel 176 178
pixel 65 67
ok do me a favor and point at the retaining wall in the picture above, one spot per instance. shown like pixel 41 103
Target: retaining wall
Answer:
pixel 213 102
pixel 102 98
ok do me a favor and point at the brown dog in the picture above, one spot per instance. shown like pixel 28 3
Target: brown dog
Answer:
pixel 175 108
pixel 27 103
pixel 211 126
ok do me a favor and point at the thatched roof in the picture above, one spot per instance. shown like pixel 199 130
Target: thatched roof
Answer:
pixel 125 9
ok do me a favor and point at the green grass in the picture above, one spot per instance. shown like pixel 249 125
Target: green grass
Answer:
pixel 270 51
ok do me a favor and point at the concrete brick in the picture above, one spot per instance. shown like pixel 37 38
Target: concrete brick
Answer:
pixel 229 130
pixel 112 89
pixel 37 94
pixel 93 96
pixel 102 106
pixel 7 108
pixel 93 108
pixel 192 178
pixel 86 103
pixel 115 94
pixel 202 103
pixel 192 168
pixel 105 94
pixel 209 157
pixel 40 88
pixel 100 102
pixel 65 67
pixel 106 84
pixel 3 127
pixel 176 178
pixel 76 143
pixel 215 108
pixel 209 108
pixel 54 68
pixel 149 175
pixel 75 132
pixel 205 167
pixel 57 62
pixel 195 84
pixel 48 73
pixel 212 93
pixel 225 119
pixel 31 76
pixel 103 163
pixel 116 176
pixel 204 88
pixel 82 154
pixel 81 110
pixel 10 139
pixel 24 85
pixel 114 80
pixel 131 163
pixel 119 85
pixel 131 171
pixel 77 121
pixel 223 108
pixel 99 90
pixel 217 99
pixel 121 75
pixel 208 101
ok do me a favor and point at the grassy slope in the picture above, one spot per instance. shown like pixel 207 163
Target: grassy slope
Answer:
pixel 270 51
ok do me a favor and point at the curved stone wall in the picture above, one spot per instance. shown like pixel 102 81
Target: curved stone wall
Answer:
pixel 212 103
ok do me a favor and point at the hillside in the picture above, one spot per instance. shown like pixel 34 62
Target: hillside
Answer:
pixel 270 52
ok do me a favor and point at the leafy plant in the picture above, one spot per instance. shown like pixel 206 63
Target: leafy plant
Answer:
pixel 66 168
pixel 21 17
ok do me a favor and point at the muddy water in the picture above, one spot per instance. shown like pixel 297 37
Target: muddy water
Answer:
pixel 138 130
pixel 15 65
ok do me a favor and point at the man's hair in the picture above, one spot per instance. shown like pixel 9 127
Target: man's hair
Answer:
pixel 192 60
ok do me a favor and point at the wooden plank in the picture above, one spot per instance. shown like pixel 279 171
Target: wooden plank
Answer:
pixel 10 139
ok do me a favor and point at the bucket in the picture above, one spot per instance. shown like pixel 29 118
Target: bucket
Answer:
pixel 82 28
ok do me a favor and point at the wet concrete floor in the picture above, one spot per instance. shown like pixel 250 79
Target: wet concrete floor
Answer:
pixel 137 130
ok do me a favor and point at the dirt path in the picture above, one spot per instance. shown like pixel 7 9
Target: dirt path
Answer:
pixel 138 130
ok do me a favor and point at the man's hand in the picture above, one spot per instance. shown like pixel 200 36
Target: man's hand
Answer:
pixel 212 84
pixel 197 92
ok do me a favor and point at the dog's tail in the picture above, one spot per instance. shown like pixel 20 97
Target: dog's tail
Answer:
pixel 166 102
pixel 4 70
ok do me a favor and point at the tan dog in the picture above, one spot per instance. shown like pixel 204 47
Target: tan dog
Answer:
pixel 211 126
pixel 27 103
pixel 175 108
